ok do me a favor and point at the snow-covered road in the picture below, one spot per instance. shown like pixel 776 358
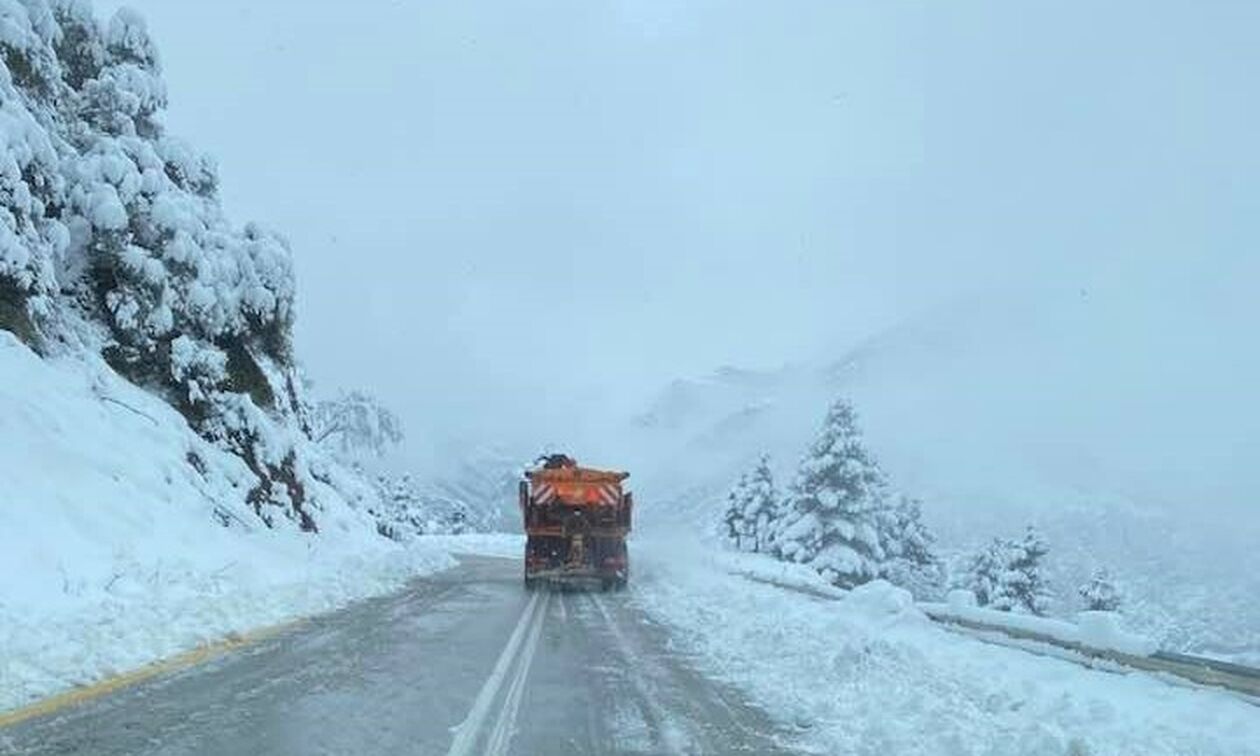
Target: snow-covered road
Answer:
pixel 463 662
pixel 692 659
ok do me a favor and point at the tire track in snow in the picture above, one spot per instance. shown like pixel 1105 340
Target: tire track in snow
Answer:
pixel 672 738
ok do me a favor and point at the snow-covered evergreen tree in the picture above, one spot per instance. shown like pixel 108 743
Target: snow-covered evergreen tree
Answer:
pixel 830 521
pixel 1007 575
pixel 914 540
pixel 733 517
pixel 910 561
pixel 761 506
pixel 1101 593
pixel 751 507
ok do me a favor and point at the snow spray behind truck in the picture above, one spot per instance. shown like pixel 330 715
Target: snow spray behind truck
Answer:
pixel 576 522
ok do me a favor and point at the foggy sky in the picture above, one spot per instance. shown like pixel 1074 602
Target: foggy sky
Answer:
pixel 501 211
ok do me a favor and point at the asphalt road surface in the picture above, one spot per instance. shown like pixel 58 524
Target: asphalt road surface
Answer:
pixel 464 662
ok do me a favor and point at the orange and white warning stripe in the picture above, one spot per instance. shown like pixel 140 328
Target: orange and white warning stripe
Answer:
pixel 609 495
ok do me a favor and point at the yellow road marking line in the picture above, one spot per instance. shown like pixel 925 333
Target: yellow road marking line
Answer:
pixel 190 658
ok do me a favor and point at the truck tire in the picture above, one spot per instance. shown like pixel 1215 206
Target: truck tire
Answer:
pixel 531 584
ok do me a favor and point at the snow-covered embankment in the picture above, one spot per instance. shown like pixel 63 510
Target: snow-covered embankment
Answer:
pixel 112 554
pixel 870 674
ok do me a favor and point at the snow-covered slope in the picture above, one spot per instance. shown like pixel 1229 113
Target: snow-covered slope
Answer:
pixel 113 242
pixel 1048 407
pixel 124 536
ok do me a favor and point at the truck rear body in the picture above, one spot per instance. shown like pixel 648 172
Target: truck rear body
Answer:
pixel 576 521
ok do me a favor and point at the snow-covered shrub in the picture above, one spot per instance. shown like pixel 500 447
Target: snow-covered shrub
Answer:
pixel 752 506
pixel 32 235
pixel 405 509
pixel 1101 593
pixel 832 512
pixel 1007 575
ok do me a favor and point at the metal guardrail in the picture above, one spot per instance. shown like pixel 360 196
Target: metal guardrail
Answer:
pixel 1206 671
pixel 1224 667
pixel 1197 669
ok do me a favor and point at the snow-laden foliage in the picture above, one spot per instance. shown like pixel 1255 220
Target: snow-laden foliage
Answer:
pixel 1007 575
pixel 752 506
pixel 910 561
pixel 355 425
pixel 112 239
pixel 1101 593
pixel 834 505
pixel 733 518
pixel 408 509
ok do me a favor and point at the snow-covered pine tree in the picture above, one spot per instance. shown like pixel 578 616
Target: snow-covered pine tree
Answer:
pixel 910 561
pixel 915 539
pixel 1006 575
pixel 1101 593
pixel 733 517
pixel 830 521
pixel 761 505
pixel 1032 589
pixel 985 574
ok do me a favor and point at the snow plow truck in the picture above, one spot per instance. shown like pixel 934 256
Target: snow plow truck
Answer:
pixel 576 521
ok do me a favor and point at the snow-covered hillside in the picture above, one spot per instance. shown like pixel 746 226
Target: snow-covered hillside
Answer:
pixel 125 537
pixel 113 242
pixel 1045 408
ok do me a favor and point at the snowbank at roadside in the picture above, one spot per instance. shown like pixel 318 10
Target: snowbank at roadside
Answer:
pixel 121 544
pixel 148 611
pixel 869 674
pixel 774 571
pixel 1095 630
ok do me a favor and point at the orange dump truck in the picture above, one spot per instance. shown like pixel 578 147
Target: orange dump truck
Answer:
pixel 576 522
